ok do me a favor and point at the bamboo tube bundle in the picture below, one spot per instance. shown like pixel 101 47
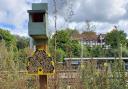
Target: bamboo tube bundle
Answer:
pixel 40 59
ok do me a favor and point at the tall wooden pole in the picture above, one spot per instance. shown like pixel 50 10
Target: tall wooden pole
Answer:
pixel 42 78
pixel 43 81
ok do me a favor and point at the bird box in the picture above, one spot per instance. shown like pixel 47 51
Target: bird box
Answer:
pixel 37 25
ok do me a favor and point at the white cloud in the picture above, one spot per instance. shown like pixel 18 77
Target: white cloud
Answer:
pixel 104 14
pixel 14 12
pixel 100 10
pixel 123 25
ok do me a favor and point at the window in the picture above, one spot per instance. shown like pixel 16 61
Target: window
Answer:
pixel 37 17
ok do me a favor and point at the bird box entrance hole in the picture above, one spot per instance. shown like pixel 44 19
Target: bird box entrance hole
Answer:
pixel 38 17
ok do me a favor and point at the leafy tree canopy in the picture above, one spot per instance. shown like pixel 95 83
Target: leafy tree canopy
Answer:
pixel 65 43
pixel 115 38
pixel 22 42
pixel 8 37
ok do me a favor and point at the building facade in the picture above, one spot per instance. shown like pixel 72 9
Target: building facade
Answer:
pixel 90 39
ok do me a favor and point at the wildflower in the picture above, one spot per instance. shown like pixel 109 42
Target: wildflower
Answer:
pixel 105 64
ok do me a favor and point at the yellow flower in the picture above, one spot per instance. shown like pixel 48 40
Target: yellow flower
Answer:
pixel 82 66
pixel 97 73
pixel 106 64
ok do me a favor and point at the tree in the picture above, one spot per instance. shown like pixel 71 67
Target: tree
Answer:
pixel 22 42
pixel 89 27
pixel 60 54
pixel 115 38
pixel 127 43
pixel 8 37
pixel 65 43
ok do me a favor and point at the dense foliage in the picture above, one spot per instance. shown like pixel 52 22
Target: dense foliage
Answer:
pixel 64 44
pixel 118 42
pixel 115 38
pixel 15 41
pixel 22 42
pixel 8 38
pixel 12 62
pixel 67 47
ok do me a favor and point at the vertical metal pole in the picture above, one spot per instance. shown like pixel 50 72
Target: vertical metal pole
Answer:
pixel 82 44
pixel 42 78
pixel 120 51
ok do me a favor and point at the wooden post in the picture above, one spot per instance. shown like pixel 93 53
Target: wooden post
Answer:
pixel 43 81
pixel 42 78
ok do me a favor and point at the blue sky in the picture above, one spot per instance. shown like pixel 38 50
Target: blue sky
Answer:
pixel 104 14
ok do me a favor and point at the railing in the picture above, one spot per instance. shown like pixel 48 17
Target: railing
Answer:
pixel 97 58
